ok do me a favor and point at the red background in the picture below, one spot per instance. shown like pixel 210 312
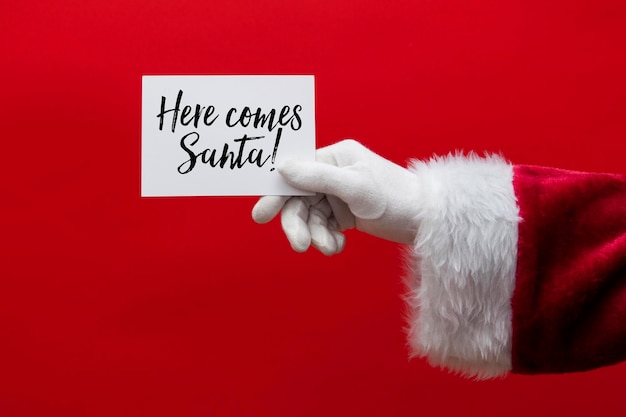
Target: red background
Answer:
pixel 113 305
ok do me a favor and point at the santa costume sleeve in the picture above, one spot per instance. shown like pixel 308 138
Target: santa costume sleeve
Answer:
pixel 517 268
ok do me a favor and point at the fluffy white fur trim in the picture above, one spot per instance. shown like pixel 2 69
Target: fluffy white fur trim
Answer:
pixel 462 267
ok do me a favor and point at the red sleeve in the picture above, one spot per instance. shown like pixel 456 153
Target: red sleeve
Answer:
pixel 569 302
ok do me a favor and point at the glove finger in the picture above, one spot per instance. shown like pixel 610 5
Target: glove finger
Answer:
pixel 340 238
pixel 323 207
pixel 341 212
pixel 353 186
pixel 314 199
pixel 266 208
pixel 294 216
pixel 321 237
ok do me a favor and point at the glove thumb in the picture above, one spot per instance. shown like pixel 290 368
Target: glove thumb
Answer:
pixel 353 184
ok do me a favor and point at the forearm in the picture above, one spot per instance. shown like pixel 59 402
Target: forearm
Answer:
pixel 518 268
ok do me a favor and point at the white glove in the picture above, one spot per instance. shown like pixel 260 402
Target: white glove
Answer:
pixel 354 188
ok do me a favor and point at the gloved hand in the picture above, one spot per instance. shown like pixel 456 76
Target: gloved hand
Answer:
pixel 354 188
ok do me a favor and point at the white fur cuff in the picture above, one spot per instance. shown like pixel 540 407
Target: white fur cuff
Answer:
pixel 463 265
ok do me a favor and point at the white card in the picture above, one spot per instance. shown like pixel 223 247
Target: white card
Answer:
pixel 223 135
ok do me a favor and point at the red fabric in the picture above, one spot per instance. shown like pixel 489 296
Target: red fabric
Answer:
pixel 569 304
